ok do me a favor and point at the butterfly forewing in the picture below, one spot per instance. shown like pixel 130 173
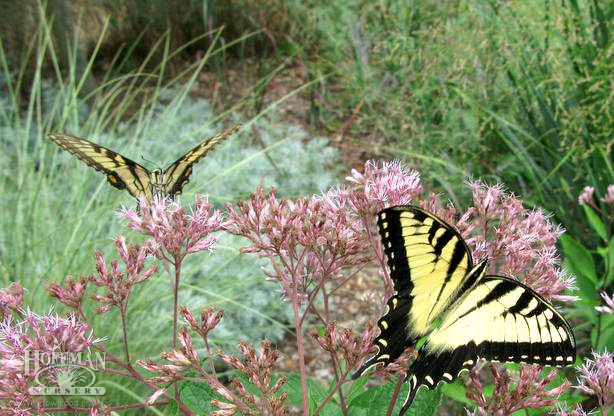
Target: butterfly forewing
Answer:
pixel 176 176
pixel 121 172
pixel 428 262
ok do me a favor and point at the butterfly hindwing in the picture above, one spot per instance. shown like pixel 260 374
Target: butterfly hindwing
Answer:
pixel 176 176
pixel 498 319
pixel 428 262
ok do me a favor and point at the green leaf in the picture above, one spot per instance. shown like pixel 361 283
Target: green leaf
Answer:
pixel 315 392
pixel 374 400
pixel 606 340
pixel 197 396
pixel 456 391
pixel 171 408
pixel 587 313
pixel 425 403
pixel 578 260
pixel 293 388
pixel 358 388
pixel 596 222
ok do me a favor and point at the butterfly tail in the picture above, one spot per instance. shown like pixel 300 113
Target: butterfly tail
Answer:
pixel 410 398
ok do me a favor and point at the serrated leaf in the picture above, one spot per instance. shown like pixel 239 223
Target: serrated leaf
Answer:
pixel 197 396
pixel 373 398
pixel 358 388
pixel 596 222
pixel 317 394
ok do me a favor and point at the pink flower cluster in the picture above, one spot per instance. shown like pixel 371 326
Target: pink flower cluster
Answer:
pixel 209 318
pixel 523 241
pixel 578 411
pixel 257 367
pixel 597 379
pixel 308 241
pixel 587 196
pixel 382 185
pixel 119 284
pixel 530 391
pixel 21 342
pixel 11 299
pixel 609 304
pixel 175 232
pixel 345 343
pixel 185 358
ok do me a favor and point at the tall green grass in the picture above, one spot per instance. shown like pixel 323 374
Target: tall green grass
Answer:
pixel 515 92
pixel 396 70
pixel 560 127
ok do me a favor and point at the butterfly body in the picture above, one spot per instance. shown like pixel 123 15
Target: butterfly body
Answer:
pixel 123 173
pixel 482 316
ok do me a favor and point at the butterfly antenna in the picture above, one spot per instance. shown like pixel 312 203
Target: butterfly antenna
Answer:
pixel 151 162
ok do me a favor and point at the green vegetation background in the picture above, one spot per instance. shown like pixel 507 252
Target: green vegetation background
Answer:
pixel 517 92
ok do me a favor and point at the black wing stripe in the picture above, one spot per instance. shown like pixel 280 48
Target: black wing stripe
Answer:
pixel 432 232
pixel 136 179
pixel 443 240
pixel 396 254
pixel 499 291
pixel 522 302
pixel 457 256
pixel 538 310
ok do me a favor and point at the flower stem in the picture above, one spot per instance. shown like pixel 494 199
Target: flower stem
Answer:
pixel 301 353
pixel 125 330
pixel 331 394
pixel 177 264
pixel 395 395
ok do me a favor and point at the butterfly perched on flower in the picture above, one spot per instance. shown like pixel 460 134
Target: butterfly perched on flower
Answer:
pixel 482 316
pixel 123 173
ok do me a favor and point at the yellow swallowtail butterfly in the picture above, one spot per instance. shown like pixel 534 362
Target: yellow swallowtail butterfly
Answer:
pixel 123 173
pixel 482 316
